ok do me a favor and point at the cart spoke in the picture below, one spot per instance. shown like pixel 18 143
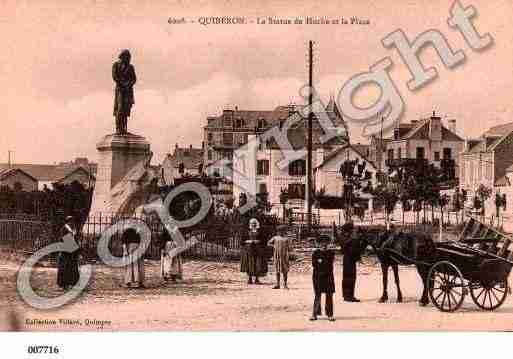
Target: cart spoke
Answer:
pixel 453 297
pixel 495 295
pixel 438 296
pixel 480 293
pixel 490 298
pixel 484 298
pixel 501 290
pixel 443 300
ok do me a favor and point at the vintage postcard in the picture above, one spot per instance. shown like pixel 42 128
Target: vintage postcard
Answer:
pixel 241 166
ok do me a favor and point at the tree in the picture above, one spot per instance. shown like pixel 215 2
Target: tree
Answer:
pixel 355 181
pixel 387 195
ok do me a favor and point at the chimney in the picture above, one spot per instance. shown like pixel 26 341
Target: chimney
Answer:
pixel 190 147
pixel 435 128
pixel 202 145
pixel 452 125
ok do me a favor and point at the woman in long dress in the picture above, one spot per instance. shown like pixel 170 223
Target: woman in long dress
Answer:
pixel 253 258
pixel 67 262
pixel 134 269
pixel 170 265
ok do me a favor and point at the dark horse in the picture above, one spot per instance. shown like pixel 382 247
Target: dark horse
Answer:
pixel 397 248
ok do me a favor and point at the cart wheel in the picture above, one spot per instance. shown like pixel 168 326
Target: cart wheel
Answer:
pixel 446 286
pixel 490 296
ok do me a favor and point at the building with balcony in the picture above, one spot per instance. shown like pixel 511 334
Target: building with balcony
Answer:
pixel 423 140
pixel 225 133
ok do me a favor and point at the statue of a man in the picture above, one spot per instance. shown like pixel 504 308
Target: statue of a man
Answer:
pixel 123 74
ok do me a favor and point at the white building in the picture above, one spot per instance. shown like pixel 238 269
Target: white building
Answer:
pixel 426 140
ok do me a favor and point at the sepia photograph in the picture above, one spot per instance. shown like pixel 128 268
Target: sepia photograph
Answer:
pixel 234 166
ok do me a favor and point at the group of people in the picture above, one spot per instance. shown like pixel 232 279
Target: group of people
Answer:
pixel 254 254
pixel 323 277
pixel 170 263
pixel 254 261
pixel 134 273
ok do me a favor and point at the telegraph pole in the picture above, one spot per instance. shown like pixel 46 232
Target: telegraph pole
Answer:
pixel 309 186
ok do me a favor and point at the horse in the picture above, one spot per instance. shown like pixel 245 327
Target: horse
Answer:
pixel 397 248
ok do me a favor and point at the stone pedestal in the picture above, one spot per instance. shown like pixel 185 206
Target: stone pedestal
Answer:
pixel 122 159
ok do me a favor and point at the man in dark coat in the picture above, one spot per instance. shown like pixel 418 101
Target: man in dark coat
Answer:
pixel 351 248
pixel 123 74
pixel 323 278
pixel 67 262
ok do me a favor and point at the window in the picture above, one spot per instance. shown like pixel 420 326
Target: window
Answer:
pixel 447 153
pixel 181 168
pixel 228 122
pixel 209 155
pixel 420 153
pixel 262 188
pixel 296 191
pixel 263 168
pixel 228 139
pixel 437 156
pixel 297 168
pixel 399 154
pixel 282 122
pixel 396 133
pixel 488 171
pixel 209 137
pixel 390 154
pixel 239 123
pixel 261 123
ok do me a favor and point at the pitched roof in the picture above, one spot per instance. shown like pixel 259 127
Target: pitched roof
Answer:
pixel 421 128
pixel 488 144
pixel 189 156
pixel 297 137
pixel 9 172
pixel 499 130
pixel 61 174
pixel 357 148
pixel 273 117
pixel 46 173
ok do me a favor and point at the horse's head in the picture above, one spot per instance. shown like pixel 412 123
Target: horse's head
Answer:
pixel 367 238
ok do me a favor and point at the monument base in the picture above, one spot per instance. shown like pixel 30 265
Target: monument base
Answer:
pixel 122 173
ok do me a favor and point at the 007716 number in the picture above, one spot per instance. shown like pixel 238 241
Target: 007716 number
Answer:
pixel 42 349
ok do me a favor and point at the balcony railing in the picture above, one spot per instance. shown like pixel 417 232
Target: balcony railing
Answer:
pixel 400 162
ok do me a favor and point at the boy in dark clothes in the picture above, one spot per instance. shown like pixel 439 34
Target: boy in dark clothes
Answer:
pixel 322 277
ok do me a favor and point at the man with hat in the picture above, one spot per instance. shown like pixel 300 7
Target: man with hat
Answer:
pixel 351 255
pixel 281 246
pixel 323 278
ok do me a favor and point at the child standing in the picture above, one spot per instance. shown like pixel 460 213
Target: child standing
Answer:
pixel 322 277
pixel 281 252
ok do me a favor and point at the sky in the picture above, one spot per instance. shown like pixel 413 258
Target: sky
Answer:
pixel 56 59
